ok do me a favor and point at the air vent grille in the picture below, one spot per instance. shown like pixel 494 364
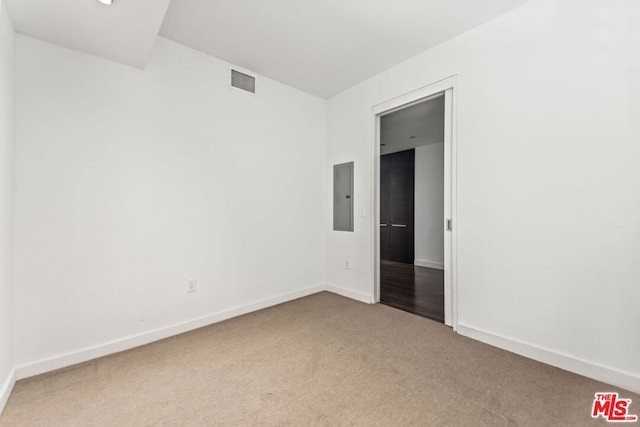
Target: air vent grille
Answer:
pixel 243 81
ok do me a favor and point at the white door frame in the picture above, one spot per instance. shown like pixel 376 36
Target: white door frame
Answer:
pixel 449 87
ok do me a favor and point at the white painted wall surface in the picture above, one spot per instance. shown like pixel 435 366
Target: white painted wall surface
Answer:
pixel 131 182
pixel 429 206
pixel 548 195
pixel 7 139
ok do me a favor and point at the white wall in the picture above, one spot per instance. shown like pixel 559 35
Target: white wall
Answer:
pixel 548 202
pixel 429 206
pixel 131 182
pixel 7 139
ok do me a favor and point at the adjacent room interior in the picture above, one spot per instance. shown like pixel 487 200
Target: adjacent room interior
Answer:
pixel 412 223
pixel 194 229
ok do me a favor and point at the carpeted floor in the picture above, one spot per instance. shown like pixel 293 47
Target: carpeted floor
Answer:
pixel 319 360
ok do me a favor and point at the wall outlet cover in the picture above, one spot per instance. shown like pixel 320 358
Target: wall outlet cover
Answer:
pixel 192 286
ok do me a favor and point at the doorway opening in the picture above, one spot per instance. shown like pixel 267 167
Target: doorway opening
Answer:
pixel 414 256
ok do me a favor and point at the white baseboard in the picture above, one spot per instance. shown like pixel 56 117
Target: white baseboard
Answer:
pixel 428 264
pixel 358 296
pixel 597 372
pixel 6 388
pixel 86 354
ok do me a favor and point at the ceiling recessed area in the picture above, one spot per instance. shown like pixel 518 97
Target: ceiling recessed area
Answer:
pixel 412 127
pixel 124 32
pixel 320 47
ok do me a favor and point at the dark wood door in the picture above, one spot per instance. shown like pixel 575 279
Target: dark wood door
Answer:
pixel 397 206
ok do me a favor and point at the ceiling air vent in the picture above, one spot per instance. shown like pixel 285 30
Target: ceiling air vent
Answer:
pixel 243 81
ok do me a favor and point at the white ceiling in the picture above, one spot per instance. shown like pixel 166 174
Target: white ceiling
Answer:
pixel 321 47
pixel 411 127
pixel 124 32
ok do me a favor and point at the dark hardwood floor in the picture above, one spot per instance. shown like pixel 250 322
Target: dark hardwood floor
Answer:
pixel 418 290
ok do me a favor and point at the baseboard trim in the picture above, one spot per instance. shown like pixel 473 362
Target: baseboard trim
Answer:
pixel 428 264
pixel 6 389
pixel 358 296
pixel 90 353
pixel 592 370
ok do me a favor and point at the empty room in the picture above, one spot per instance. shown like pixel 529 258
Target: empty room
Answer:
pixel 294 212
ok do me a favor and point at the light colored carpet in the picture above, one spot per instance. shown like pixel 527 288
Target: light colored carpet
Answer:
pixel 319 360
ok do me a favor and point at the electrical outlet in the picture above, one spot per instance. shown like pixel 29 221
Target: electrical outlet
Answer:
pixel 347 265
pixel 192 286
